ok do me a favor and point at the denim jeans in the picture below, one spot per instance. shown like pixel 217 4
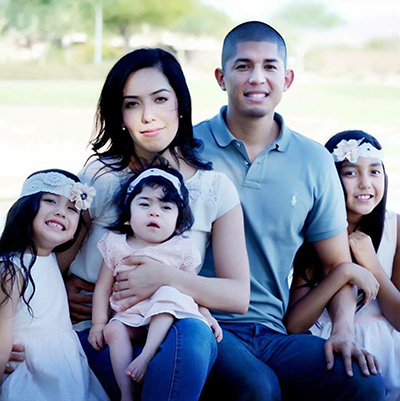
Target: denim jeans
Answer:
pixel 177 372
pixel 256 363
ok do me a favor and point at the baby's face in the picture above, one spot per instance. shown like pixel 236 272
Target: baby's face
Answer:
pixel 153 220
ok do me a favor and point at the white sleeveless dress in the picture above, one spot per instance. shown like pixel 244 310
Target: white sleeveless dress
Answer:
pixel 55 366
pixel 372 329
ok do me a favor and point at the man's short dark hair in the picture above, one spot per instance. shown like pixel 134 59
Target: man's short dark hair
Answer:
pixel 252 31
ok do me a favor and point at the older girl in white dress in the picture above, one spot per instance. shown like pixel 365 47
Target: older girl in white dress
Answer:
pixel 374 239
pixel 33 301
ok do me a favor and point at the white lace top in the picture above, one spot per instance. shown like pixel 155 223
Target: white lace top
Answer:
pixel 211 193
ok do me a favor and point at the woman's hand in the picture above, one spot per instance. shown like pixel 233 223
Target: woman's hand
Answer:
pixel 365 280
pixel 363 249
pixel 139 283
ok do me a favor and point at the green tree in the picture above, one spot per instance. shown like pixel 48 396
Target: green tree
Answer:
pixel 45 20
pixel 127 17
pixel 202 19
pixel 391 43
pixel 308 15
pixel 302 22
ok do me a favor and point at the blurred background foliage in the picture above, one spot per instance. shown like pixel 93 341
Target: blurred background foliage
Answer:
pixel 69 31
pixel 55 55
pixel 42 34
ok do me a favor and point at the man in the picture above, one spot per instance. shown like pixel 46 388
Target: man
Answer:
pixel 289 192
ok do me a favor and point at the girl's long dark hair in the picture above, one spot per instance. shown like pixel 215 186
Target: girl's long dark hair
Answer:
pixel 123 201
pixel 113 145
pixel 372 223
pixel 16 241
pixel 306 263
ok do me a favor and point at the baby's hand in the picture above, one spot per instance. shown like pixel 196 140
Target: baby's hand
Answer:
pixel 365 280
pixel 96 337
pixel 362 248
pixel 216 328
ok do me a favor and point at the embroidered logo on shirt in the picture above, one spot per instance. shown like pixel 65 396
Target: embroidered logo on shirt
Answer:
pixel 294 200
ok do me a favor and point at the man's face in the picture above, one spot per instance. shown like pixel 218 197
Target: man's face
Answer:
pixel 255 79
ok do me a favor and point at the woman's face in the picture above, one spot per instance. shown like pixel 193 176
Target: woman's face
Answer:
pixel 364 182
pixel 150 111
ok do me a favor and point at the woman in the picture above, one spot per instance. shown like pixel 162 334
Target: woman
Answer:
pixel 144 112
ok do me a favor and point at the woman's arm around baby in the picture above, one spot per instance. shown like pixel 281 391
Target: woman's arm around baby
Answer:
pixel 229 291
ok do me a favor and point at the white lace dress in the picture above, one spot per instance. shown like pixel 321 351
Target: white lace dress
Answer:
pixel 177 252
pixel 55 366
pixel 373 331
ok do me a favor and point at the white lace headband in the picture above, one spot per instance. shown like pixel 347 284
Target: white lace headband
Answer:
pixel 59 184
pixel 352 150
pixel 155 172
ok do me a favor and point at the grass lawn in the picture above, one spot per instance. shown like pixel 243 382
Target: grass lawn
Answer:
pixel 47 123
pixel 348 102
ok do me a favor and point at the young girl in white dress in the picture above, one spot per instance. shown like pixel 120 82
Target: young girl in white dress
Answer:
pixel 374 239
pixel 154 212
pixel 33 302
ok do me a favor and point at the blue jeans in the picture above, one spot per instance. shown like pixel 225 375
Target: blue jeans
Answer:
pixel 177 372
pixel 256 363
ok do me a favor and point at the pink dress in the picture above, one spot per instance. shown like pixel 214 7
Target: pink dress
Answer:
pixel 178 252
pixel 372 329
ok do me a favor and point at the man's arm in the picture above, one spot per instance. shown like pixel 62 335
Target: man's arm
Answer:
pixel 332 252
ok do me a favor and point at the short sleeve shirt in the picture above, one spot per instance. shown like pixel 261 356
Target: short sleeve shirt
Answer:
pixel 289 193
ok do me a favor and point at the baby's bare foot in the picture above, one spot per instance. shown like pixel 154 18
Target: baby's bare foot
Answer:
pixel 137 368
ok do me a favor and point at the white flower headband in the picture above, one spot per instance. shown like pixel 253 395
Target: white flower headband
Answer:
pixel 352 150
pixel 151 173
pixel 59 184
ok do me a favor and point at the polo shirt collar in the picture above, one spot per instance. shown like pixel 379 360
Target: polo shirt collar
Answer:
pixel 282 142
pixel 224 137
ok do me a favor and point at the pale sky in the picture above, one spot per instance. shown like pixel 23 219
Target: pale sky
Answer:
pixel 365 17
pixel 353 9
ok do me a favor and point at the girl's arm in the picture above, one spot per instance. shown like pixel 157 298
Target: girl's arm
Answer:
pixel 229 291
pixel 306 304
pixel 389 292
pixel 101 299
pixel 7 314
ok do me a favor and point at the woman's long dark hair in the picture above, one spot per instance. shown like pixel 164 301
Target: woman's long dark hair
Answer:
pixel 17 241
pixel 113 145
pixel 306 263
pixel 123 201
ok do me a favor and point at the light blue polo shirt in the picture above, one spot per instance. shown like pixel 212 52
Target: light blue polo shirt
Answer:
pixel 289 193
